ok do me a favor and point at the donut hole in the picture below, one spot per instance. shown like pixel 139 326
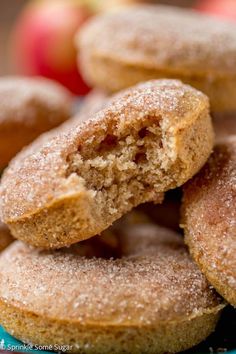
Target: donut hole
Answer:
pixel 106 246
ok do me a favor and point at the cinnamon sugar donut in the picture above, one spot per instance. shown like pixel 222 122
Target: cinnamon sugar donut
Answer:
pixel 209 219
pixel 117 50
pixel 149 298
pixel 28 107
pixel 150 138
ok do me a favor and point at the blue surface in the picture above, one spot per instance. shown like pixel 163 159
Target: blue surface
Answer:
pixel 7 342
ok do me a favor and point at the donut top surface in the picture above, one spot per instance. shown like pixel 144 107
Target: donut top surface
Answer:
pixel 151 278
pixel 32 182
pixel 210 213
pixel 24 100
pixel 163 37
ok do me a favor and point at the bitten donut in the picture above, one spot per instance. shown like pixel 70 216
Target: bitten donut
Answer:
pixel 209 219
pixel 149 297
pixel 150 138
pixel 28 107
pixel 117 50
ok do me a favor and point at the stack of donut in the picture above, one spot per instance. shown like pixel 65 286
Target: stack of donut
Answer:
pixel 28 107
pixel 92 271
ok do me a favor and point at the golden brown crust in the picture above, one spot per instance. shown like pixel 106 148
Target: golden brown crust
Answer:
pixel 151 42
pixel 209 214
pixel 151 295
pixel 150 138
pixel 29 107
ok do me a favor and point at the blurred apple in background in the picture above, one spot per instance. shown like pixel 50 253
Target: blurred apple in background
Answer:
pixel 222 8
pixel 42 41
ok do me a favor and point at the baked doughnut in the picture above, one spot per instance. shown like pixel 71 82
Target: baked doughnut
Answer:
pixel 209 219
pixel 117 50
pixel 5 236
pixel 149 297
pixel 28 107
pixel 150 138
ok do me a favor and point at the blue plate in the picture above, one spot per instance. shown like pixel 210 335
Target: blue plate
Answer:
pixel 7 342
pixel 224 337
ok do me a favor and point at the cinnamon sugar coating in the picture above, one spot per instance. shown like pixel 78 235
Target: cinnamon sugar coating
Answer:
pixel 143 42
pixel 29 107
pixel 150 297
pixel 209 218
pixel 150 138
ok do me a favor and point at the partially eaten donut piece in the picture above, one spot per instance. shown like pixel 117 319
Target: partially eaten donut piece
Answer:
pixel 149 139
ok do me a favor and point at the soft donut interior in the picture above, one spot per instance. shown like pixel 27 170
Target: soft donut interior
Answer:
pixel 125 167
pixel 120 168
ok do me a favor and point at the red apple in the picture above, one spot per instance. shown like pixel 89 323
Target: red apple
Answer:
pixel 42 41
pixel 221 8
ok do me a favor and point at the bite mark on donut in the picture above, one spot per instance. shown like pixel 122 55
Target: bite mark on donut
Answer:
pixel 117 159
pixel 123 166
